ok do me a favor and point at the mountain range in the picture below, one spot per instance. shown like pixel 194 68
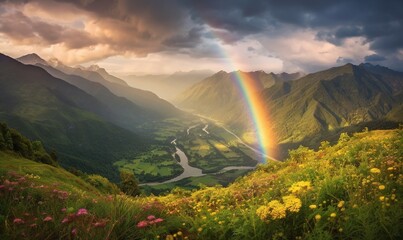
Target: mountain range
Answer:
pixel 308 109
pixel 65 118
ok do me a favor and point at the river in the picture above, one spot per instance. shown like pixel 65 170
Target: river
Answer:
pixel 190 171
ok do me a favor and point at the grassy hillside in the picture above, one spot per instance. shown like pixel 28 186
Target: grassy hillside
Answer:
pixel 351 190
pixel 63 118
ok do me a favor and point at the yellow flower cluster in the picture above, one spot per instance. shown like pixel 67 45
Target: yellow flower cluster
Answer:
pixel 292 203
pixel 277 210
pixel 300 187
pixel 273 210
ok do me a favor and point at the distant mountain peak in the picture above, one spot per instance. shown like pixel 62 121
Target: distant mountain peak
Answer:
pixel 54 62
pixel 32 59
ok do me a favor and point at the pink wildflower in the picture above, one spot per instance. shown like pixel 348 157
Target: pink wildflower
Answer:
pixel 100 224
pixel 74 231
pixel 18 221
pixel 158 220
pixel 151 217
pixel 33 225
pixel 48 219
pixel 142 224
pixel 63 209
pixel 65 220
pixel 2 186
pixel 82 211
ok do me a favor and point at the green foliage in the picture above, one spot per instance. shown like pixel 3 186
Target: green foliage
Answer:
pixel 23 146
pixel 129 183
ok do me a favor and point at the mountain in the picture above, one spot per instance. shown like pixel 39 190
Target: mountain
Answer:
pixel 104 74
pixel 311 108
pixel 64 118
pixel 32 59
pixel 124 112
pixel 147 100
pixel 167 86
pixel 220 93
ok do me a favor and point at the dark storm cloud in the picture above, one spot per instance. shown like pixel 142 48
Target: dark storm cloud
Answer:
pixel 144 26
pixel 374 58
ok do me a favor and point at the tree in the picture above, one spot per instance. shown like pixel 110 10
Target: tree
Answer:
pixel 129 183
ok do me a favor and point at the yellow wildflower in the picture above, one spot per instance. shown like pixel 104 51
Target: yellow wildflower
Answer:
pixel 179 233
pixel 300 187
pixel 381 198
pixel 381 187
pixel 318 217
pixel 340 204
pixel 313 206
pixel 292 203
pixel 375 170
pixel 333 215
pixel 273 209
pixel 169 237
pixel 200 229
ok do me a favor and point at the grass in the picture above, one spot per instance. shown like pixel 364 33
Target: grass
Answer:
pixel 155 165
pixel 351 190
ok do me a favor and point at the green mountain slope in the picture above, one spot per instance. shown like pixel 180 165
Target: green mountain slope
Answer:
pixel 311 108
pixel 156 106
pixel 220 93
pixel 63 117
pixel 125 113
pixel 351 190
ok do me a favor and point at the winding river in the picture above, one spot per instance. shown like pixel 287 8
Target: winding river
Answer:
pixel 190 171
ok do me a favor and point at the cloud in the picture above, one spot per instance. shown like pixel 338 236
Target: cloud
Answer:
pixel 374 58
pixel 22 29
pixel 141 27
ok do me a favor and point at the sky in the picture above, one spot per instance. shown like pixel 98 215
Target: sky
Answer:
pixel 165 36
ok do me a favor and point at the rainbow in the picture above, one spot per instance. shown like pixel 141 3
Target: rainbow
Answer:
pixel 258 112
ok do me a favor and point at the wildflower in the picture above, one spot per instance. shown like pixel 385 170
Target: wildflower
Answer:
pixel 381 198
pixel 318 217
pixel 340 204
pixel 292 203
pixel 340 229
pixel 65 220
pixel 333 215
pixel 18 221
pixel 169 237
pixel 375 170
pixel 63 210
pixel 273 209
pixel 100 224
pixel 158 220
pixel 74 231
pixel 313 206
pixel 300 187
pixel 179 233
pixel 47 219
pixel 82 211
pixel 142 224
pixel 33 225
pixel 381 187
pixel 151 217
pixel 200 229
